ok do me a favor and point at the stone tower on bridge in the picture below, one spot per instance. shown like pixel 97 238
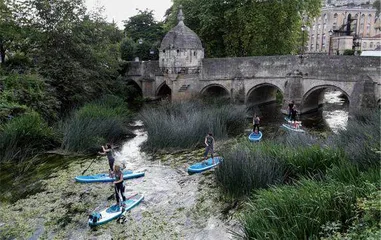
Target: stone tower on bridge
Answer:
pixel 183 73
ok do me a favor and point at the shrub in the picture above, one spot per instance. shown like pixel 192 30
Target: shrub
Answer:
pixel 95 124
pixel 349 52
pixel 25 136
pixel 184 125
pixel 297 212
pixel 31 91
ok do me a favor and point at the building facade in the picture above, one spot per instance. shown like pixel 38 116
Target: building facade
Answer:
pixel 341 28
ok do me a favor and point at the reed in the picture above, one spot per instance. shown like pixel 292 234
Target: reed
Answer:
pixel 184 125
pixel 25 136
pixel 298 212
pixel 95 124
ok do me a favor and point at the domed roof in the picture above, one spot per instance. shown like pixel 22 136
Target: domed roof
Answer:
pixel 181 37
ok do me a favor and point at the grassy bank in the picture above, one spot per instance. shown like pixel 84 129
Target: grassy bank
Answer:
pixel 184 125
pixel 301 185
pixel 25 136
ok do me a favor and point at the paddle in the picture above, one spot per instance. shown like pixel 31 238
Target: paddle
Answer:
pixel 89 165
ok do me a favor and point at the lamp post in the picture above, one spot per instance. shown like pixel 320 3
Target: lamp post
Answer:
pixel 330 41
pixel 303 28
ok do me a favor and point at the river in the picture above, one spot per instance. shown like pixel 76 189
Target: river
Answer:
pixel 45 202
pixel 176 205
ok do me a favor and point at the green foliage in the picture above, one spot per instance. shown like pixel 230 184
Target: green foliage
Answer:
pixel 20 90
pixel 246 28
pixel 25 136
pixel 248 166
pixel 349 52
pixel 95 124
pixel 377 5
pixel 297 212
pixel 366 223
pixel 143 27
pixel 185 125
pixel 128 49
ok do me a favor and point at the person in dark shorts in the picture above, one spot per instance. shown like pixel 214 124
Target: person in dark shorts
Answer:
pixel 118 183
pixel 110 156
pixel 256 121
pixel 209 142
pixel 290 107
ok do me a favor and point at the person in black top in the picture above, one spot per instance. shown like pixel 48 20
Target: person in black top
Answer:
pixel 256 121
pixel 209 142
pixel 290 107
pixel 110 156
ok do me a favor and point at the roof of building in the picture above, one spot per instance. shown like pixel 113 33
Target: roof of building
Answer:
pixel 181 37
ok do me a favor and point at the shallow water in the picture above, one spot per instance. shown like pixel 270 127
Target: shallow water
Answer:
pixel 176 205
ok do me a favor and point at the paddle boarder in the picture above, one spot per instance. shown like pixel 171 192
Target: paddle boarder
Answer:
pixel 290 107
pixel 293 117
pixel 256 121
pixel 209 142
pixel 108 151
pixel 118 183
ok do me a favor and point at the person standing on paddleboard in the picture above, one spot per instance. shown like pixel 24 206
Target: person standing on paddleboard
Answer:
pixel 209 142
pixel 110 156
pixel 256 121
pixel 293 117
pixel 290 107
pixel 119 186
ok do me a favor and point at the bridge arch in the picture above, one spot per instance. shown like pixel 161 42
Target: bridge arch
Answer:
pixel 163 91
pixel 133 89
pixel 215 90
pixel 313 99
pixel 263 93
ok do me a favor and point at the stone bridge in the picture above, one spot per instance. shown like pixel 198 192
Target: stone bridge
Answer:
pixel 256 80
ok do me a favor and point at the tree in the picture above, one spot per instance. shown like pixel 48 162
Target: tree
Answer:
pixel 128 49
pixel 145 32
pixel 377 5
pixel 244 28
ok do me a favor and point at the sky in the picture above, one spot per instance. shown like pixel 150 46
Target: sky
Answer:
pixel 120 10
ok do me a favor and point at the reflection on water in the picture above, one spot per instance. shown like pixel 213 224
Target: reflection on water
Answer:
pixel 333 116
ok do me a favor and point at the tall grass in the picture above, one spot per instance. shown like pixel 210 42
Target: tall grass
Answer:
pixel 24 136
pixel 361 140
pixel 95 124
pixel 298 212
pixel 295 156
pixel 184 125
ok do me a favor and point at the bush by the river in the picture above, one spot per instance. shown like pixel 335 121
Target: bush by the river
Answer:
pixel 95 124
pixel 300 185
pixel 25 136
pixel 300 211
pixel 185 125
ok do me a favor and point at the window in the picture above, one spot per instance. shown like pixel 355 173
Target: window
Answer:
pixel 325 17
pixel 371 45
pixel 164 51
pixel 377 44
pixel 313 28
pixel 364 45
pixel 335 15
pixel 194 53
pixel 318 26
pixel 324 26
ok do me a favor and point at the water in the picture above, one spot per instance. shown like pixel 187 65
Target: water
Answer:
pixel 176 205
pixel 331 118
pixel 47 203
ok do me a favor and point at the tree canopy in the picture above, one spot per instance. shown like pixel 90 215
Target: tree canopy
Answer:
pixel 241 28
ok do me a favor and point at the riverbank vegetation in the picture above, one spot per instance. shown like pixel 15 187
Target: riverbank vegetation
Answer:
pixel 299 186
pixel 184 125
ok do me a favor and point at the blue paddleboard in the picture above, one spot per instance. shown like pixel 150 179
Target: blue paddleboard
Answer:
pixel 104 177
pixel 205 165
pixel 115 211
pixel 292 128
pixel 254 137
